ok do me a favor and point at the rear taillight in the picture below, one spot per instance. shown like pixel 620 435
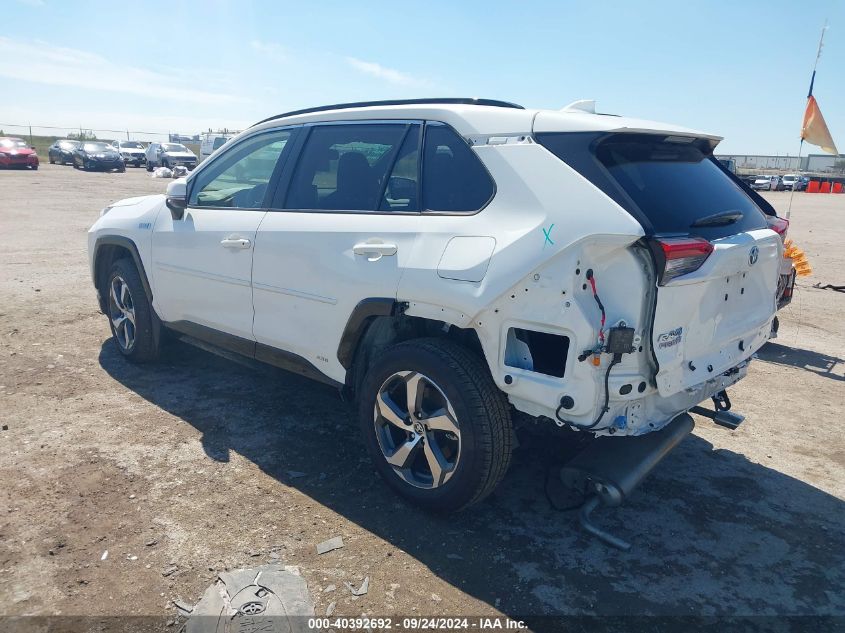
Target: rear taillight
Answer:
pixel 778 225
pixel 678 256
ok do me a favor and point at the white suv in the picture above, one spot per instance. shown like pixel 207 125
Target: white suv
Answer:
pixel 450 262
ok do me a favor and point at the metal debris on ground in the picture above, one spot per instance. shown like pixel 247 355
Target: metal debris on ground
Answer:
pixel 362 590
pixel 183 607
pixel 259 599
pixel 331 544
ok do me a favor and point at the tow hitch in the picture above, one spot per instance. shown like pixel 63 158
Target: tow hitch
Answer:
pixel 722 415
pixel 610 468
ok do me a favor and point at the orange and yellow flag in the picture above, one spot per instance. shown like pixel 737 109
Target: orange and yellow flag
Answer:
pixel 815 129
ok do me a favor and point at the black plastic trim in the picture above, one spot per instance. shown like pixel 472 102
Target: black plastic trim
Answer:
pixel 359 320
pixel 394 102
pixel 287 361
pixel 128 244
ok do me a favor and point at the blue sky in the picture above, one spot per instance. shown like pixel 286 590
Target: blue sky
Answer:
pixel 739 69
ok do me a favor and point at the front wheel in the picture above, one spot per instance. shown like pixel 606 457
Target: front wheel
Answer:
pixel 435 425
pixel 130 313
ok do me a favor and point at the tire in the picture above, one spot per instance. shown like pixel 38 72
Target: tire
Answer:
pixel 35 168
pixel 137 163
pixel 165 163
pixel 51 159
pixel 149 166
pixel 475 440
pixel 121 169
pixel 135 342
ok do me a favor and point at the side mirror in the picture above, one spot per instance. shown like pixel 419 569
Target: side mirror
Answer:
pixel 177 198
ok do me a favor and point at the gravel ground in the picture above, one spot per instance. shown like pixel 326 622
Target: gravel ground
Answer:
pixel 193 466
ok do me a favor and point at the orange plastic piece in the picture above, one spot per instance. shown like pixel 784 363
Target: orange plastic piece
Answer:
pixel 837 187
pixel 813 186
pixel 596 360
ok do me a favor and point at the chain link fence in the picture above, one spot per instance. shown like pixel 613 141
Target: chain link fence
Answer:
pixel 42 136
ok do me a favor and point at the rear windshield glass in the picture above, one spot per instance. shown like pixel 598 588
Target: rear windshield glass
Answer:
pixel 670 187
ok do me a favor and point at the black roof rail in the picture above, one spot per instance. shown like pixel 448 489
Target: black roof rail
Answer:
pixel 392 102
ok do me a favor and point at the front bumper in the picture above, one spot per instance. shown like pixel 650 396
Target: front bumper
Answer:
pixel 18 161
pixel 100 163
pixel 184 162
pixel 134 158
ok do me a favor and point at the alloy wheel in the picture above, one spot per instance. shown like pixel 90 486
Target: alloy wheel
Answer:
pixel 122 313
pixel 417 430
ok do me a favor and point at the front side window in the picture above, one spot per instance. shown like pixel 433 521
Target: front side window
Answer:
pixel 239 177
pixel 345 167
pixel 453 177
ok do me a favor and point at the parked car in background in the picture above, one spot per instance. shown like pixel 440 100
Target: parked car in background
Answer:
pixel 211 142
pixel 169 155
pixel 768 183
pixel 794 182
pixel 131 151
pixel 14 152
pixel 61 151
pixel 97 155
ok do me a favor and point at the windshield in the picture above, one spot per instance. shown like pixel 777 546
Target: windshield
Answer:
pixel 12 142
pixel 69 144
pixel 96 147
pixel 174 147
pixel 132 145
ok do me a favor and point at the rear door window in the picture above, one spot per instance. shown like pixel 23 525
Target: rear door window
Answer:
pixel 345 167
pixel 672 185
pixel 454 179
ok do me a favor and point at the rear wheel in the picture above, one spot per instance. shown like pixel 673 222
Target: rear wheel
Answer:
pixel 51 159
pixel 435 425
pixel 130 314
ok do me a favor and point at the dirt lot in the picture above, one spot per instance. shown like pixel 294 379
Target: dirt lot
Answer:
pixel 189 467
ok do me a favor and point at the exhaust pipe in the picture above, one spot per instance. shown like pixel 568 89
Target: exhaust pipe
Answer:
pixel 610 468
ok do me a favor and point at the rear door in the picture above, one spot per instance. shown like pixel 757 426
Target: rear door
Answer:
pixel 339 234
pixel 716 258
pixel 202 263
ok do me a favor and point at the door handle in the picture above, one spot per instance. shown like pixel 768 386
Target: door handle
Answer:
pixel 374 250
pixel 236 242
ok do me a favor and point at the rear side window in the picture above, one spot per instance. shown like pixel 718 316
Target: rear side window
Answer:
pixel 670 186
pixel 345 167
pixel 453 177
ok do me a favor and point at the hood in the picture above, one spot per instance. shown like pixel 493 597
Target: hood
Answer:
pixel 181 154
pixel 17 151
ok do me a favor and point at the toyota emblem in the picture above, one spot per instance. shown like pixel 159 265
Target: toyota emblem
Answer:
pixel 252 608
pixel 753 255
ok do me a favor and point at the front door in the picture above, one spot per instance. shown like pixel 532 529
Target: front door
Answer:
pixel 202 263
